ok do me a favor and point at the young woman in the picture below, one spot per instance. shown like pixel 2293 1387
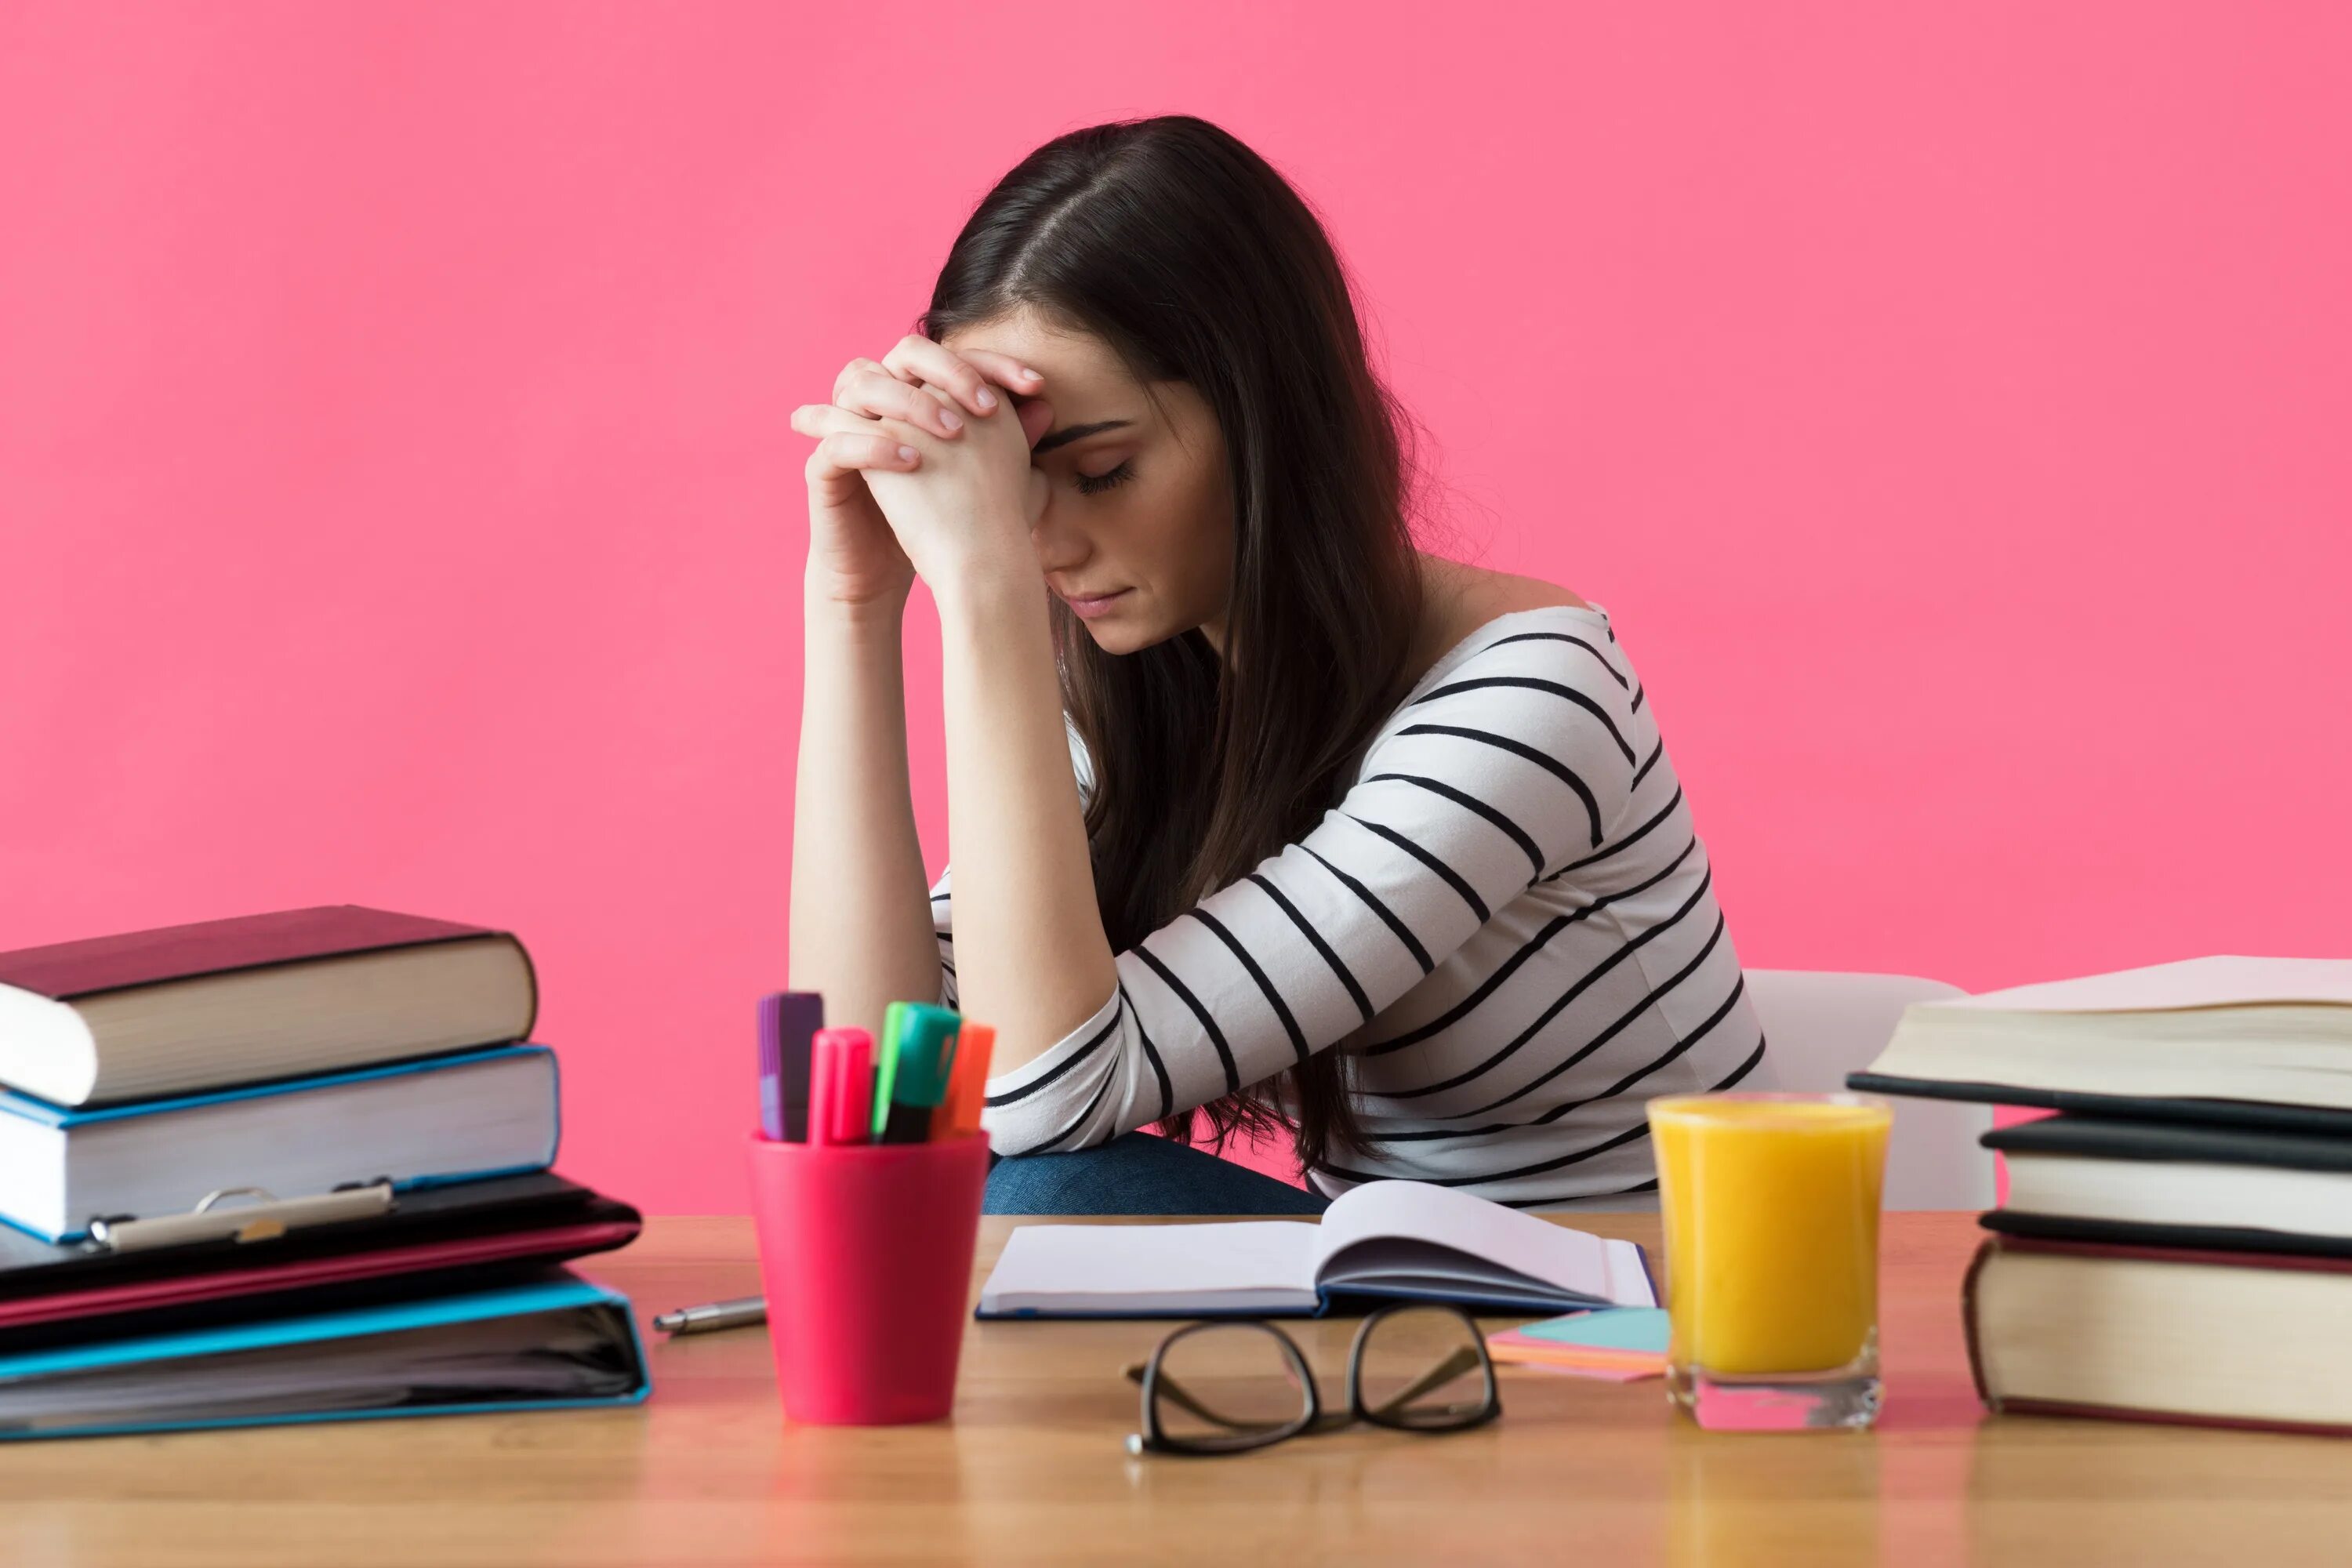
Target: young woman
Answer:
pixel 1259 816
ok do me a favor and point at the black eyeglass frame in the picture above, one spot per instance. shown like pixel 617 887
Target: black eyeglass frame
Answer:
pixel 1241 1439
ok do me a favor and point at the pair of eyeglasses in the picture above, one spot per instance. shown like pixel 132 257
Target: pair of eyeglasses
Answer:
pixel 1227 1386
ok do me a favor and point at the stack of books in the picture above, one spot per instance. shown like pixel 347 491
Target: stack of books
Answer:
pixel 2175 1244
pixel 290 1166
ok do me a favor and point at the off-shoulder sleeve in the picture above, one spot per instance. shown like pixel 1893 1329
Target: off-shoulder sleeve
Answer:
pixel 1511 765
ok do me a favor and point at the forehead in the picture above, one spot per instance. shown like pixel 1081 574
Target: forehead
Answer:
pixel 1075 365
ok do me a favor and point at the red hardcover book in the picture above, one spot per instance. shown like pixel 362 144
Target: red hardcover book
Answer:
pixel 135 1015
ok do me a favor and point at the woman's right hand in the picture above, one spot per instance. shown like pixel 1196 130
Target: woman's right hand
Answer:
pixel 854 557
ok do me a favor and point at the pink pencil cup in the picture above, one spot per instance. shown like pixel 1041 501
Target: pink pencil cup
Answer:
pixel 866 1261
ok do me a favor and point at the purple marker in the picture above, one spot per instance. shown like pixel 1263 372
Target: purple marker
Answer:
pixel 788 1020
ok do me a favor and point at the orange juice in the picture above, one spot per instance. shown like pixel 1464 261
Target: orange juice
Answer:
pixel 1771 1209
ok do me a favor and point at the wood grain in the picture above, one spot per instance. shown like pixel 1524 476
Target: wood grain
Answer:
pixel 1032 1470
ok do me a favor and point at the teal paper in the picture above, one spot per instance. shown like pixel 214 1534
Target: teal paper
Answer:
pixel 1608 1328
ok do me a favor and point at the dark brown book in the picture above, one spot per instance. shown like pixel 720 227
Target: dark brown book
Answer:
pixel 174 1009
pixel 2159 1333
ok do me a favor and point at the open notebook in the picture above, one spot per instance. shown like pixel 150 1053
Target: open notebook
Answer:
pixel 1383 1241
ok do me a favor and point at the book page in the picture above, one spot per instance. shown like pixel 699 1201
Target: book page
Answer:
pixel 1131 1267
pixel 2220 980
pixel 1571 1260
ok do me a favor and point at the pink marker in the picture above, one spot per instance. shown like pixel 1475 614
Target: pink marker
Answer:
pixel 841 1086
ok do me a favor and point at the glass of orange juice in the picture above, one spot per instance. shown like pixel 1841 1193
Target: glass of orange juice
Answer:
pixel 1771 1209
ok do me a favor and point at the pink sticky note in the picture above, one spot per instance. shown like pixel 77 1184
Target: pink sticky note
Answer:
pixel 1605 1374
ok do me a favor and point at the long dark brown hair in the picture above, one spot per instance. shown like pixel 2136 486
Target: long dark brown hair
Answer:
pixel 1194 260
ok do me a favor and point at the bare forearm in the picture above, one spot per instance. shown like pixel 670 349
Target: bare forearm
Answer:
pixel 861 927
pixel 1031 956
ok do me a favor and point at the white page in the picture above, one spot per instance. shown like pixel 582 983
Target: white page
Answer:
pixel 1129 1267
pixel 1556 1254
pixel 2220 980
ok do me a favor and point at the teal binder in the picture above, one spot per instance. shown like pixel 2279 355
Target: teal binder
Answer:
pixel 577 1338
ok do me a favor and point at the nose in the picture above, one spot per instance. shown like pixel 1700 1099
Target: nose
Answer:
pixel 1059 546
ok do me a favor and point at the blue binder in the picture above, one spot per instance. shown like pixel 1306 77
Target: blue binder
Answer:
pixel 173 1356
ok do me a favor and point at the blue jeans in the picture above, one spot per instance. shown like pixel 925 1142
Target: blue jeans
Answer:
pixel 1138 1174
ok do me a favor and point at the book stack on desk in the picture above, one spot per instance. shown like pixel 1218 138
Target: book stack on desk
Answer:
pixel 2175 1244
pixel 290 1166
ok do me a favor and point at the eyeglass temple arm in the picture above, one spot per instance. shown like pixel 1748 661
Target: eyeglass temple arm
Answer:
pixel 1172 1390
pixel 1443 1373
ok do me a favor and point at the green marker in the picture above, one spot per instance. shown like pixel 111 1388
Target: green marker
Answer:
pixel 917 1052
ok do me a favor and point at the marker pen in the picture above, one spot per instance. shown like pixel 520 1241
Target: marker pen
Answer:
pixel 787 1020
pixel 911 1078
pixel 959 1113
pixel 841 1086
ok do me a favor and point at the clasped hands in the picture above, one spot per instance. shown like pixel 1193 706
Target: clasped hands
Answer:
pixel 960 508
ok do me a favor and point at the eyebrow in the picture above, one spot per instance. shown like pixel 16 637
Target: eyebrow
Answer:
pixel 1064 437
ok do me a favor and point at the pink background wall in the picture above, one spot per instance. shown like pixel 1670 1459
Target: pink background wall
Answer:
pixel 397 507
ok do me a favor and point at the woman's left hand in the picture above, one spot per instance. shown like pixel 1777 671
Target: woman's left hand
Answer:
pixel 968 504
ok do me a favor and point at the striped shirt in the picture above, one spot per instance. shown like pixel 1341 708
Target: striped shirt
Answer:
pixel 1509 891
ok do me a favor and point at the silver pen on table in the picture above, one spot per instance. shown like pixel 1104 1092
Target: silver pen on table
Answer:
pixel 734 1314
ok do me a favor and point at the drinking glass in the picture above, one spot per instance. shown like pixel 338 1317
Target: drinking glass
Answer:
pixel 1770 1203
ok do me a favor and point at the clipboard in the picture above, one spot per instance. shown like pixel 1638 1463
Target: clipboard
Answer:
pixel 276 1254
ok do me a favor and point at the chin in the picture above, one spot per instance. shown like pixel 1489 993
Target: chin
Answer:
pixel 1116 640
pixel 1121 636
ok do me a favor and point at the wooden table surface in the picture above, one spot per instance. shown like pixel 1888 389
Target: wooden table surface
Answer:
pixel 1033 1469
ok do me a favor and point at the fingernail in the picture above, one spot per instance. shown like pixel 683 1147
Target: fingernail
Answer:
pixel 986 399
pixel 950 419
pixel 1031 374
pixel 906 454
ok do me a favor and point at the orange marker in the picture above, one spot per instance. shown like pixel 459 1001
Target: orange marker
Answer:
pixel 959 1113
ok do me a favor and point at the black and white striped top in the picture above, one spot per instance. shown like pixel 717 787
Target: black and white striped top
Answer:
pixel 1510 891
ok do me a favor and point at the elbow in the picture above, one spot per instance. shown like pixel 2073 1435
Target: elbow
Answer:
pixel 1014 1131
pixel 1005 1143
pixel 1061 1124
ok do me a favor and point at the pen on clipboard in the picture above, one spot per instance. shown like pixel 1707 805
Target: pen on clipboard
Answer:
pixel 267 1218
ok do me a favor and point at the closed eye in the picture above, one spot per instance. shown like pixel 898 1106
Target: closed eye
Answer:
pixel 1095 484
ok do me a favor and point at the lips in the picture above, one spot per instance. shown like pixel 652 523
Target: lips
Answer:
pixel 1087 605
